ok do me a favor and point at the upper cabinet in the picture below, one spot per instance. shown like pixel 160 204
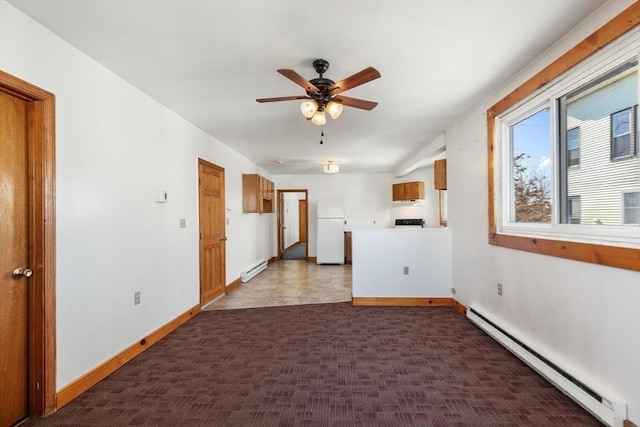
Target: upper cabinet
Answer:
pixel 408 191
pixel 440 174
pixel 257 194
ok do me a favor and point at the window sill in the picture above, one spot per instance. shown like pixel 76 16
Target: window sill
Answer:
pixel 612 256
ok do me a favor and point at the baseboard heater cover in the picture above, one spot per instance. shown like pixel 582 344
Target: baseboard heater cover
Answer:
pixel 253 271
pixel 609 411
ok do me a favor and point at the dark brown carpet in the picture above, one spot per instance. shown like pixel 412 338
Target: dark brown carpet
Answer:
pixel 324 365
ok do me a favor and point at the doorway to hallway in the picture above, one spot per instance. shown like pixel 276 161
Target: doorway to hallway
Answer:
pixel 293 228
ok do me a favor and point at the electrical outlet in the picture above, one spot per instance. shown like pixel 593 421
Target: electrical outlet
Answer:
pixel 453 291
pixel 136 298
pixel 405 270
pixel 500 289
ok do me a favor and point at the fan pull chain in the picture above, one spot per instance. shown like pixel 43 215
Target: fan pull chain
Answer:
pixel 321 135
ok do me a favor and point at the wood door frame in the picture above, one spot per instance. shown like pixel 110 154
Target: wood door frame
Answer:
pixel 224 222
pixel 303 203
pixel 41 241
pixel 280 223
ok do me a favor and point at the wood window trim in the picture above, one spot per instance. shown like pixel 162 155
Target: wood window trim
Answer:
pixel 614 256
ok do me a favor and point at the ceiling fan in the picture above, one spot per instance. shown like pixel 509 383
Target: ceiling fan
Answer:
pixel 323 94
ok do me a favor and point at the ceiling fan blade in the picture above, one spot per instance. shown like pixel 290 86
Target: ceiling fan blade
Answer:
pixel 299 80
pixel 356 103
pixel 357 79
pixel 282 98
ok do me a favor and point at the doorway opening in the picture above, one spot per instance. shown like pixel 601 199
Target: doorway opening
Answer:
pixel 293 224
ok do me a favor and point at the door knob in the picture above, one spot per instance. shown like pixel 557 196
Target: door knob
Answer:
pixel 19 272
pixel 222 239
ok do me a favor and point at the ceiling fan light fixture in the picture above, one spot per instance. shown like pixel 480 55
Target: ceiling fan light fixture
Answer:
pixel 309 108
pixel 321 92
pixel 331 168
pixel 334 109
pixel 318 118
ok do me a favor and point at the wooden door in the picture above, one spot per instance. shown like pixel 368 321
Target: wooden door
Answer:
pixel 212 231
pixel 302 220
pixel 27 240
pixel 14 291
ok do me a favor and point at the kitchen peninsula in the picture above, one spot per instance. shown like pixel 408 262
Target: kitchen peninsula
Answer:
pixel 401 267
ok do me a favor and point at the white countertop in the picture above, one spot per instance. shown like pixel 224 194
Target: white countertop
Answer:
pixel 367 227
pixel 376 228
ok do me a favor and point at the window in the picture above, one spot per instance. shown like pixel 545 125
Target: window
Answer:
pixel 573 206
pixel 573 147
pixel 442 207
pixel 588 110
pixel 530 153
pixel 621 134
pixel 592 111
pixel 554 188
pixel 631 207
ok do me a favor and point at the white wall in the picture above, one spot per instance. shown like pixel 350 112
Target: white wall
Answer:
pixel 366 197
pixel 583 316
pixel 114 147
pixel 428 211
pixel 380 257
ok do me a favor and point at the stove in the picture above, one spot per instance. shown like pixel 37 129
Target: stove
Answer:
pixel 408 223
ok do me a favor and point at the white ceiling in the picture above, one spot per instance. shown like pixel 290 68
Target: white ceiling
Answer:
pixel 208 60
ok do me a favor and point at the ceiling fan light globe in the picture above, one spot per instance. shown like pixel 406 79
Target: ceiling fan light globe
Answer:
pixel 334 109
pixel 318 118
pixel 308 108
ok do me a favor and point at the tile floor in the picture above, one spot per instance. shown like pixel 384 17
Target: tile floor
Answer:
pixel 290 282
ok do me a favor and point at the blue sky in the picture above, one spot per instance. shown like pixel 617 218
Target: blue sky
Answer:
pixel 532 136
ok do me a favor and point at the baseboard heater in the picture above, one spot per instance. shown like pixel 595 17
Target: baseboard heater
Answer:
pixel 253 271
pixel 607 410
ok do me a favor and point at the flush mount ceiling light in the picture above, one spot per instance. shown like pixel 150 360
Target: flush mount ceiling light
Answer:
pixel 331 167
pixel 323 94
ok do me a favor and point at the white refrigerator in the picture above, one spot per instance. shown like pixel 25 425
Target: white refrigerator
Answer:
pixel 329 232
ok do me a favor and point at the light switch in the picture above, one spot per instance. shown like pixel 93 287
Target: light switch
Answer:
pixel 183 223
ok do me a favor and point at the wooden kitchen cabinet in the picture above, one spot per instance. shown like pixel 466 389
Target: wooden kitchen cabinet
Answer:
pixel 408 191
pixel 257 194
pixel 440 174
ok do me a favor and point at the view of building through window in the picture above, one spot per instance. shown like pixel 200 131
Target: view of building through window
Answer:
pixel 604 112
pixel 591 149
